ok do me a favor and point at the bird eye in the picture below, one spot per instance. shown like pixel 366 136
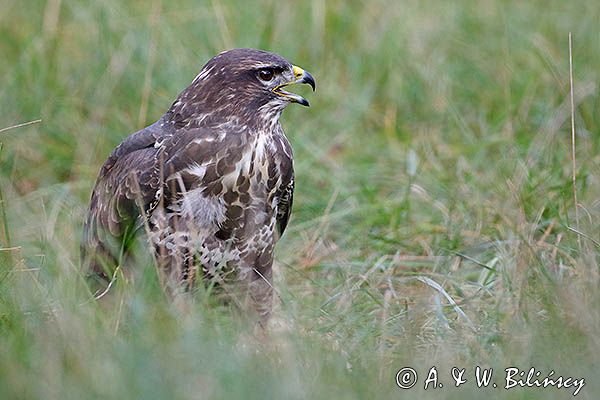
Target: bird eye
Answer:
pixel 266 74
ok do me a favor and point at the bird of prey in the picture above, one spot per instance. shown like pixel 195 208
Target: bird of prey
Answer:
pixel 210 183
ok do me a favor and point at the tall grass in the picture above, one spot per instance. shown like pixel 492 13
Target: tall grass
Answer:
pixel 434 221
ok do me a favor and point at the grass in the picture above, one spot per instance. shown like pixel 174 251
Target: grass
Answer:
pixel 434 221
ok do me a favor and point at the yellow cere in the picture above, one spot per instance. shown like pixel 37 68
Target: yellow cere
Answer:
pixel 298 72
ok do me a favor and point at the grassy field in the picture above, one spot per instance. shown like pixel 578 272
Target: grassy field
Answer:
pixel 434 220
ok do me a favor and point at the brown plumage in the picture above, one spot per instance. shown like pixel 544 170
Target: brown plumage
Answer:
pixel 210 183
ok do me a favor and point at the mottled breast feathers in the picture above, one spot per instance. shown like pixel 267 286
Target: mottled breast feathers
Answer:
pixel 210 184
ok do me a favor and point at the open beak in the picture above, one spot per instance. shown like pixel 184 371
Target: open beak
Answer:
pixel 300 76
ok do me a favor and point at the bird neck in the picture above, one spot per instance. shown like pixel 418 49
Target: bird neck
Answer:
pixel 201 106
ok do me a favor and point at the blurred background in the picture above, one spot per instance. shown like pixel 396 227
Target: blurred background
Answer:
pixel 434 218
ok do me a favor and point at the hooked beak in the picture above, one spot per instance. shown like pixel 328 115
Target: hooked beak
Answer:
pixel 300 76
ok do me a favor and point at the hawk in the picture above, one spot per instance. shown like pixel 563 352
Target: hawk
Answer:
pixel 210 183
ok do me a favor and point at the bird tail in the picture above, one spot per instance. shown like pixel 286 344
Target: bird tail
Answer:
pixel 102 252
pixel 97 260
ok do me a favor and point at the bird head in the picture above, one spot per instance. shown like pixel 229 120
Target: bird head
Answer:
pixel 242 83
pixel 274 77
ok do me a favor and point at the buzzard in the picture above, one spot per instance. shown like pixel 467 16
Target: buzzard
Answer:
pixel 210 183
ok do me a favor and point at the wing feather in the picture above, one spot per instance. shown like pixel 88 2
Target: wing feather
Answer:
pixel 284 206
pixel 127 180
